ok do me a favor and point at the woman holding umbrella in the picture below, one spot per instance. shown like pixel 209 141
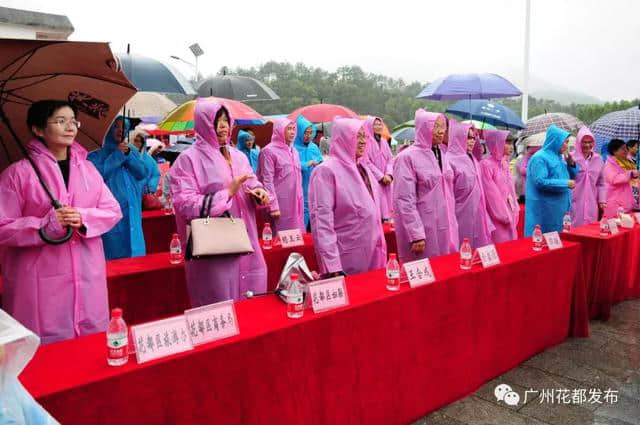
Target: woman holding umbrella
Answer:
pixel 280 172
pixel 423 201
pixel 471 206
pixel 58 291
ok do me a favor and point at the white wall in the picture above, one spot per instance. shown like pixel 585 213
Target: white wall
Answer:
pixel 30 33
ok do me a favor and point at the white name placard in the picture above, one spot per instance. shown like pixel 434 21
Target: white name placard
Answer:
pixel 212 322
pixel 161 338
pixel 553 240
pixel 328 294
pixel 488 256
pixel 290 238
pixel 419 272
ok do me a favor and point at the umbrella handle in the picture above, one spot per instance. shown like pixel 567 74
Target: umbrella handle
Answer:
pixel 52 241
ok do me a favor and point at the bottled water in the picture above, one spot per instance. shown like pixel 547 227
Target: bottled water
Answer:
pixel 604 227
pixel 117 339
pixel 295 298
pixel 537 239
pixel 267 236
pixel 393 273
pixel 566 222
pixel 466 255
pixel 175 250
pixel 168 205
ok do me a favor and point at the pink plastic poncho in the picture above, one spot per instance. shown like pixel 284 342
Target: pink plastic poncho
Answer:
pixel 619 192
pixel 590 186
pixel 57 291
pixel 200 170
pixel 471 205
pixel 380 162
pixel 345 219
pixel 279 170
pixel 499 189
pixel 423 196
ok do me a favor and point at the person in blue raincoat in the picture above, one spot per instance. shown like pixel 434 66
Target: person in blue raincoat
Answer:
pixel 123 171
pixel 549 184
pixel 150 182
pixel 247 145
pixel 310 156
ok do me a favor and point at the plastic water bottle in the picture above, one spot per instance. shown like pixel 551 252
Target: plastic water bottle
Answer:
pixel 295 298
pixel 566 222
pixel 175 250
pixel 620 213
pixel 117 339
pixel 168 205
pixel 267 236
pixel 604 227
pixel 466 255
pixel 393 273
pixel 537 238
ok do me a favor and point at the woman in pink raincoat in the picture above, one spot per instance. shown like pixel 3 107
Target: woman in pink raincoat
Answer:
pixel 380 163
pixel 619 173
pixel 471 205
pixel 590 191
pixel 212 166
pixel 499 189
pixel 423 201
pixel 522 167
pixel 57 291
pixel 343 204
pixel 280 172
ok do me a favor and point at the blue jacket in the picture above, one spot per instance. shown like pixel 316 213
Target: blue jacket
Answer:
pixel 125 176
pixel 307 152
pixel 548 196
pixel 252 154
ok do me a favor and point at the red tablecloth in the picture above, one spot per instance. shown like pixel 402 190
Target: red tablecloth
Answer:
pixel 611 265
pixel 157 228
pixel 387 358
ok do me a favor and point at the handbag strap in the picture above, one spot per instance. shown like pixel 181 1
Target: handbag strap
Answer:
pixel 206 206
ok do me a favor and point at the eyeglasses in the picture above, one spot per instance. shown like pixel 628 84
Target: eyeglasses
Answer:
pixel 63 122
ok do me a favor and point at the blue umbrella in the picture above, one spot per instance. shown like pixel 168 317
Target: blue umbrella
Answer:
pixel 486 111
pixel 469 86
pixel 623 125
pixel 148 74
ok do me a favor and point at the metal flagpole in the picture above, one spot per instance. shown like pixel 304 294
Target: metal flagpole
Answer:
pixel 525 93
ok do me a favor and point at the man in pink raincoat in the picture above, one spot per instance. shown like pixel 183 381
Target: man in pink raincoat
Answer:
pixel 499 189
pixel 279 170
pixel 57 291
pixel 343 204
pixel 471 205
pixel 424 205
pixel 380 162
pixel 212 166
pixel 590 192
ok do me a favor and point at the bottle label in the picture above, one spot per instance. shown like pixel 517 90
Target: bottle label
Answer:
pixel 466 255
pixel 393 274
pixel 294 298
pixel 118 347
pixel 176 249
pixel 266 237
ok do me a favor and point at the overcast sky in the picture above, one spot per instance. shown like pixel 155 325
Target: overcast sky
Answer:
pixel 588 46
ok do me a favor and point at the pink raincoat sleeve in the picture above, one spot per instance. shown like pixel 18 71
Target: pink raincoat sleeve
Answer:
pixel 266 174
pixel 17 230
pixel 601 187
pixel 405 195
pixel 614 177
pixel 321 206
pixel 496 208
pixel 104 216
pixel 187 196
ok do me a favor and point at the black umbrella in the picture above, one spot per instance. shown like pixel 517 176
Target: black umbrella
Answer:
pixel 84 74
pixel 237 88
pixel 149 74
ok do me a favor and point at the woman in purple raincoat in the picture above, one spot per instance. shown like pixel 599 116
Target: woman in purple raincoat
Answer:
pixel 499 189
pixel 57 291
pixel 279 170
pixel 590 192
pixel 380 163
pixel 423 201
pixel 471 205
pixel 343 199
pixel 212 166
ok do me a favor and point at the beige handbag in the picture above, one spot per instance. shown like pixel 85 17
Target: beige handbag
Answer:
pixel 216 236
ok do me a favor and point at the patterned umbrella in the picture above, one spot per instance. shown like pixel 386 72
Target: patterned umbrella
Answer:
pixel 540 123
pixel 623 125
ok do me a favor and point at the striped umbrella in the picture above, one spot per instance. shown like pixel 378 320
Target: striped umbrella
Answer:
pixel 541 123
pixel 623 125
pixel 181 118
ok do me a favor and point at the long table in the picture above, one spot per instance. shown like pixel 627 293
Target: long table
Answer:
pixel 611 265
pixel 387 358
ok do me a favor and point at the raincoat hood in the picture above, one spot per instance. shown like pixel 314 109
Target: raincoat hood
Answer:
pixel 458 133
pixel 38 148
pixel 554 139
pixel 110 141
pixel 279 128
pixel 203 117
pixel 368 126
pixel 577 153
pixel 425 121
pixel 344 140
pixel 495 140
pixel 301 126
pixel 243 138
